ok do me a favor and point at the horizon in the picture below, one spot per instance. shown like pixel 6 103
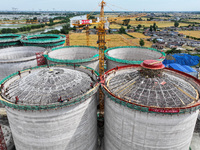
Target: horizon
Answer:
pixel 112 5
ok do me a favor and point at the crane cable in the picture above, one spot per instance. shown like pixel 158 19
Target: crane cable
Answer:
pixel 118 7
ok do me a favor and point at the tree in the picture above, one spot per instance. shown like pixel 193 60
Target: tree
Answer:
pixel 51 21
pixel 155 27
pixel 176 24
pixel 35 18
pixel 154 40
pixel 139 26
pixel 140 19
pixel 129 26
pixel 74 28
pixel 126 22
pixel 122 30
pixel 92 17
pixel 141 42
pixel 151 28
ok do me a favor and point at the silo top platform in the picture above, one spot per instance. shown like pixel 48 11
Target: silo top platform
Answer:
pixel 172 89
pixel 49 87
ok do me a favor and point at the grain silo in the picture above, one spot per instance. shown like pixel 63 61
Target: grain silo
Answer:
pixel 82 55
pixel 126 55
pixel 7 40
pixel 14 59
pixel 7 136
pixel 44 40
pixel 52 107
pixel 149 108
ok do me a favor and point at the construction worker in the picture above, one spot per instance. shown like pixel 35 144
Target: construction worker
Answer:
pixel 16 99
pixel 19 73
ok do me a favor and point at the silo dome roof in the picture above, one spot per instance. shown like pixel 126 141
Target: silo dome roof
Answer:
pixel 49 85
pixel 168 91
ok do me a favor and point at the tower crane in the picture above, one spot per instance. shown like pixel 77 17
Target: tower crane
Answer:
pixel 101 43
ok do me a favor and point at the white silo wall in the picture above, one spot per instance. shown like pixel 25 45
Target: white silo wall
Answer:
pixel 128 129
pixel 14 59
pixel 92 64
pixel 121 56
pixel 68 128
pixel 112 64
pixel 9 68
pixel 75 54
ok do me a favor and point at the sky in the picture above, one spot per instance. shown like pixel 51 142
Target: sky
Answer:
pixel 91 5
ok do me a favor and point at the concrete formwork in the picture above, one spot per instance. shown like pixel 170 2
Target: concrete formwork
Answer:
pixel 14 59
pixel 82 55
pixel 56 108
pixel 7 40
pixel 144 113
pixel 120 56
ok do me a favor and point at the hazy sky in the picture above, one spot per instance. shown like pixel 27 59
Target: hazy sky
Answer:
pixel 112 5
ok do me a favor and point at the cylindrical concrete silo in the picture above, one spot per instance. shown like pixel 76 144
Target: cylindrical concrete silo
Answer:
pixel 14 59
pixel 7 40
pixel 126 55
pixel 82 55
pixel 7 137
pixel 149 108
pixel 52 108
pixel 44 40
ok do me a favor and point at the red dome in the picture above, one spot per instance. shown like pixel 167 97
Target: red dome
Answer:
pixel 152 64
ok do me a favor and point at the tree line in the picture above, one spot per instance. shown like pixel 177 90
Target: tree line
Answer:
pixel 37 26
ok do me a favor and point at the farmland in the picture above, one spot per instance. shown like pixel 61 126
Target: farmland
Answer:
pixel 191 33
pixel 112 40
pixel 160 24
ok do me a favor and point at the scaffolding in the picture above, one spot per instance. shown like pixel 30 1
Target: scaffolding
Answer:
pixel 9 40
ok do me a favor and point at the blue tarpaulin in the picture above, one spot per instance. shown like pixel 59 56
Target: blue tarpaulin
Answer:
pixel 189 68
pixel 178 67
pixel 184 68
pixel 183 59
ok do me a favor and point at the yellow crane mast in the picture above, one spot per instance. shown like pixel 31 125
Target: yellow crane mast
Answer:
pixel 101 42
pixel 87 28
